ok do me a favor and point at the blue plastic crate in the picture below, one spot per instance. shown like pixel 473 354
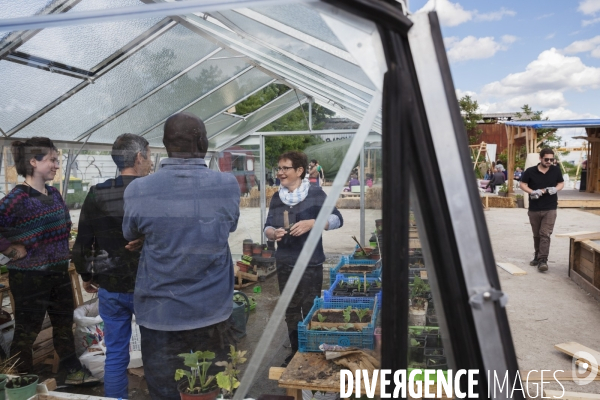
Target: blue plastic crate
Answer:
pixel 356 248
pixel 310 340
pixel 328 294
pixel 346 260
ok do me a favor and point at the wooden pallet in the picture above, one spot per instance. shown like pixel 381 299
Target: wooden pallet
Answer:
pixel 571 348
pixel 584 262
pixel 250 279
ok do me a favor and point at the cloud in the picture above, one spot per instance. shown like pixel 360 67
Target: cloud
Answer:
pixel 551 71
pixel 583 46
pixel 453 14
pixel 495 15
pixel 471 48
pixel 550 36
pixel 587 22
pixel 461 94
pixel 589 7
pixel 545 16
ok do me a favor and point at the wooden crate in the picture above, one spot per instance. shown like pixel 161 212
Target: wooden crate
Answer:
pixel 584 264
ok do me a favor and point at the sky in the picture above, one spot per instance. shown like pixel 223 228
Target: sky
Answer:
pixel 542 53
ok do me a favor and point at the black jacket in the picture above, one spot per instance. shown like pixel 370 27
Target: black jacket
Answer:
pixel 100 226
pixel 289 247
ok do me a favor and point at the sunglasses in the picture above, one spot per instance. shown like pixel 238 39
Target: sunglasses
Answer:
pixel 284 169
pixel 548 159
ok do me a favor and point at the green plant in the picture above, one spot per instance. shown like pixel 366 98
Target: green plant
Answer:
pixel 347 313
pixel 358 285
pixel 198 371
pixel 414 343
pixel 361 312
pixel 21 381
pixel 378 284
pixel 227 379
pixel 345 327
pixel 518 196
pixel 420 288
pixel 321 317
pixel 503 188
pixel 366 285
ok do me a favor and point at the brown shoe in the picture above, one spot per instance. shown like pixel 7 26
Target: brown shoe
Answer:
pixel 543 265
pixel 535 260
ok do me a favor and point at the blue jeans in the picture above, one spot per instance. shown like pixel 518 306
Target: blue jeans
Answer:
pixel 116 310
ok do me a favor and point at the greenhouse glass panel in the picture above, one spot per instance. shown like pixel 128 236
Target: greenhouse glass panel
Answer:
pixel 21 94
pixel 220 123
pixel 84 46
pixel 16 9
pixel 156 63
pixel 173 97
pixel 304 19
pixel 299 48
pixel 263 116
pixel 230 94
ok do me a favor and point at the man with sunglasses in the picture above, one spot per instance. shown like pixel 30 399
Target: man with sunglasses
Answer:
pixel 542 182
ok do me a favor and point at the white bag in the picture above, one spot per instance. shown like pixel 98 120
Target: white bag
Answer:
pixel 93 358
pixel 88 327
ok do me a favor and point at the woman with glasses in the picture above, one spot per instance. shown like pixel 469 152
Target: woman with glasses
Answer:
pixel 34 236
pixel 292 214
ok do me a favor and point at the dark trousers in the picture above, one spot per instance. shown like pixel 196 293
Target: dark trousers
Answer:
pixel 542 225
pixel 36 293
pixel 303 299
pixel 160 351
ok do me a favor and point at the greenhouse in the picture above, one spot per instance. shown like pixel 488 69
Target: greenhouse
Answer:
pixel 84 72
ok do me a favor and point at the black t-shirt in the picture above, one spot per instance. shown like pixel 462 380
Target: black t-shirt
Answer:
pixel 537 180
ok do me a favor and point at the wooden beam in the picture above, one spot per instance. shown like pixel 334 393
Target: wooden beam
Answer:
pixel 559 394
pixel 561 376
pixel 573 234
pixel 511 269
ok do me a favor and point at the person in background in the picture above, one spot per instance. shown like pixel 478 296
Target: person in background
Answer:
pixel 321 173
pixel 100 233
pixel 313 173
pixel 184 285
pixel 542 182
pixel 369 182
pixel 488 175
pixel 353 182
pixel 518 173
pixel 497 179
pixel 34 232
pixel 302 203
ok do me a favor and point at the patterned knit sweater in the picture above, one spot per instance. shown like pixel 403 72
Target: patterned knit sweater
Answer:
pixel 40 223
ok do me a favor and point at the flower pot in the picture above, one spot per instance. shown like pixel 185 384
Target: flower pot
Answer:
pixel 377 335
pixel 256 249
pixel 3 380
pixel 379 225
pixel 247 246
pixel 182 386
pixel 23 392
pixel 417 316
pixel 503 194
pixel 266 253
pixel 520 203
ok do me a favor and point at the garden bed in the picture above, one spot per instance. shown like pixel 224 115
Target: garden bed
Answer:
pixel 350 267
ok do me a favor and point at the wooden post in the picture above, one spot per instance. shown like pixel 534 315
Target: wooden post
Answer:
pixel 511 158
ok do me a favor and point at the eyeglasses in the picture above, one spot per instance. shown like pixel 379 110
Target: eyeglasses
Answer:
pixel 548 159
pixel 284 169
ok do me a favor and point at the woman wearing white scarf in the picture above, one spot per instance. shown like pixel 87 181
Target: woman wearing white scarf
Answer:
pixel 301 202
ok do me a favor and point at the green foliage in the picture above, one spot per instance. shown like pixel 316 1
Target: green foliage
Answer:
pixel 295 120
pixel 361 312
pixel 503 188
pixel 321 318
pixel 228 379
pixel 347 313
pixel 546 137
pixel 420 288
pixel 198 370
pixel 345 327
pixel 470 116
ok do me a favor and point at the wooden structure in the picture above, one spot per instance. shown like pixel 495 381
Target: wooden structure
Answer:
pixel 516 130
pixel 584 262
pixel 478 150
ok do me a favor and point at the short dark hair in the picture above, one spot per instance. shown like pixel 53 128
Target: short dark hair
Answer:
pixel 546 151
pixel 298 160
pixel 125 150
pixel 23 152
pixel 185 136
pixel 314 161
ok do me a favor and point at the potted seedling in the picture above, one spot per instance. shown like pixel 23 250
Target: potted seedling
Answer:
pixel 22 387
pixel 417 311
pixel 227 380
pixel 503 190
pixel 520 201
pixel 328 319
pixel 199 384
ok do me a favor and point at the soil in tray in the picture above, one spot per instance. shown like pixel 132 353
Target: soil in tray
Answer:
pixel 356 268
pixel 336 316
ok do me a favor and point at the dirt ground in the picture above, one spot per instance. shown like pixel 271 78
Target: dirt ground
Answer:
pixel 543 308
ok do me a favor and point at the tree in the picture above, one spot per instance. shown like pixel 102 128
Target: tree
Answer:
pixel 470 116
pixel 546 137
pixel 295 120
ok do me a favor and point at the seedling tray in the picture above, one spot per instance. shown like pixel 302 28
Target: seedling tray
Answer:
pixel 345 260
pixel 348 280
pixel 310 340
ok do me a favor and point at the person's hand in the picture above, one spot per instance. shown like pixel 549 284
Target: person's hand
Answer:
pixel 551 190
pixel 136 245
pixel 278 234
pixel 301 227
pixel 15 251
pixel 89 287
pixel 536 194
